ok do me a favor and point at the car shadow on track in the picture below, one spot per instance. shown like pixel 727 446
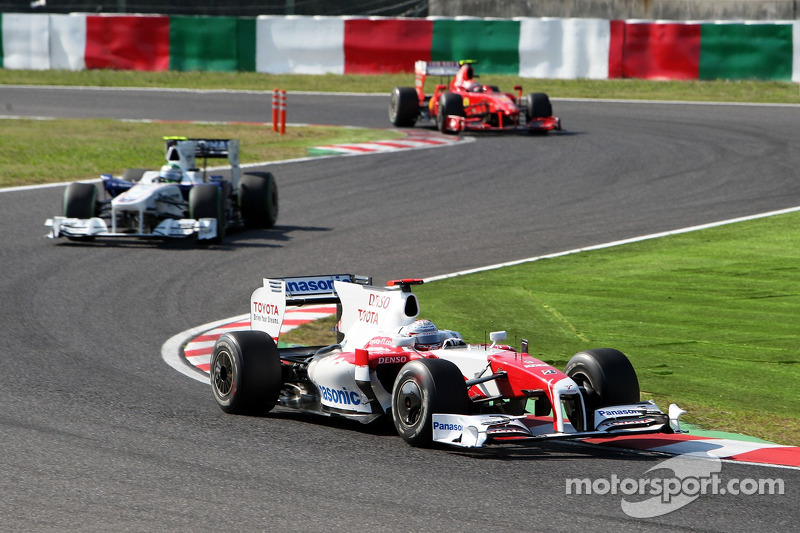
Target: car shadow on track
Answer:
pixel 553 450
pixel 543 450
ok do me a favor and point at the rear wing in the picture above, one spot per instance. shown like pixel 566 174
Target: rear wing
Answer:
pixel 184 152
pixel 436 68
pixel 363 311
pixel 268 303
pixel 423 69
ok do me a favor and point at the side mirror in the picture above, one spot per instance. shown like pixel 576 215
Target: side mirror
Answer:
pixel 496 336
pixel 403 341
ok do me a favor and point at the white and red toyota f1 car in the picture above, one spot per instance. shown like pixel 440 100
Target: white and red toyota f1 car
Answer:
pixel 434 386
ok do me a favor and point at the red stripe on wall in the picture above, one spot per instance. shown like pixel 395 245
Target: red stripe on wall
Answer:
pixel 127 42
pixel 616 48
pixel 373 46
pixel 654 51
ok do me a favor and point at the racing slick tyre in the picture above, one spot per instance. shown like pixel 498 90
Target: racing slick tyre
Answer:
pixel 404 107
pixel 245 372
pixel 449 104
pixel 205 201
pixel 258 199
pixel 606 377
pixel 422 388
pixel 80 200
pixel 538 106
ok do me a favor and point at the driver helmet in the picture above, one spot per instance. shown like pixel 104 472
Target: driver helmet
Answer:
pixel 171 173
pixel 425 334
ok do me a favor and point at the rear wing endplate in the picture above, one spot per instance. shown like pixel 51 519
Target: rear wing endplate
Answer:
pixel 183 152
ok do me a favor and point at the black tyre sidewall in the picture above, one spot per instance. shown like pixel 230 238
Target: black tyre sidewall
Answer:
pixel 258 199
pixel 205 201
pixel 80 200
pixel 449 104
pixel 403 107
pixel 256 372
pixel 610 374
pixel 443 391
pixel 538 106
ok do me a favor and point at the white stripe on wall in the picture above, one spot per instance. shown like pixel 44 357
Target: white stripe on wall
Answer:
pixel 564 48
pixel 68 41
pixel 300 45
pixel 796 51
pixel 25 41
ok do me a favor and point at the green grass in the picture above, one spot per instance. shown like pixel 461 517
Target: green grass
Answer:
pixel 46 151
pixel 721 91
pixel 709 319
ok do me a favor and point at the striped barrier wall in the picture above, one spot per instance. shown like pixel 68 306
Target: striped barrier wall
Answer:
pixel 537 48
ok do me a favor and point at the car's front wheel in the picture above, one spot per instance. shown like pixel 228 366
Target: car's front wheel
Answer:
pixel 245 372
pixel 403 107
pixel 80 200
pixel 449 104
pixel 606 377
pixel 537 105
pixel 422 388
pixel 205 201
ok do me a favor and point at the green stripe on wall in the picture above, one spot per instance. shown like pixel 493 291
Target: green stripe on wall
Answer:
pixel 746 51
pixel 2 57
pixel 209 43
pixel 493 43
pixel 246 44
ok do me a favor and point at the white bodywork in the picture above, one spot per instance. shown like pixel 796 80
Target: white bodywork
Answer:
pixel 152 197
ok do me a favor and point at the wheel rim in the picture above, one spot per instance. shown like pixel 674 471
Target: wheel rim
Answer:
pixel 582 380
pixel 409 403
pixel 223 373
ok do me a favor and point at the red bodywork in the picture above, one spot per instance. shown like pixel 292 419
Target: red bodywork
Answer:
pixel 486 107
pixel 524 374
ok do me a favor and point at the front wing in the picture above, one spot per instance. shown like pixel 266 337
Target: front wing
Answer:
pixel 83 228
pixel 457 124
pixel 474 431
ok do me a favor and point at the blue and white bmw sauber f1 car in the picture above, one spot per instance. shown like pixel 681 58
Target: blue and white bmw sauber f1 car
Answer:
pixel 433 385
pixel 180 200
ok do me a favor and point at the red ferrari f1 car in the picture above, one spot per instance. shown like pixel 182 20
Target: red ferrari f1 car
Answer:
pixel 433 385
pixel 467 105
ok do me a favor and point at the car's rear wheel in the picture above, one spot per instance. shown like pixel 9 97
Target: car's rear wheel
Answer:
pixel 245 372
pixel 606 377
pixel 404 107
pixel 538 106
pixel 422 388
pixel 449 104
pixel 258 199
pixel 205 201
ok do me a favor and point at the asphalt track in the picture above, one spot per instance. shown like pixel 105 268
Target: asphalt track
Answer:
pixel 99 434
